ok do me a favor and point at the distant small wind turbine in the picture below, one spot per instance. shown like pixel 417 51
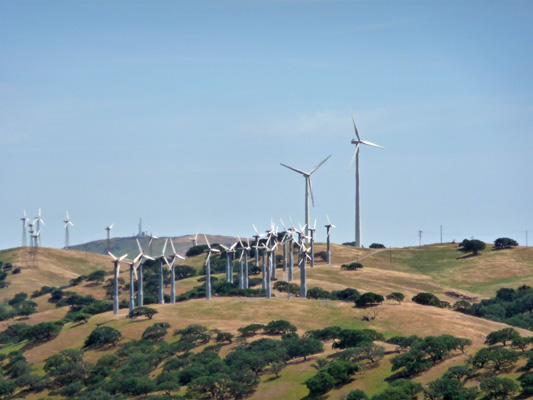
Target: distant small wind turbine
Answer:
pixel 24 220
pixel 67 238
pixel 133 271
pixel 308 188
pixel 357 141
pixel 328 228
pixel 108 230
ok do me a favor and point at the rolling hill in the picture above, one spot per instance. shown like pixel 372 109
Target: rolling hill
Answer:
pixel 438 269
pixel 128 245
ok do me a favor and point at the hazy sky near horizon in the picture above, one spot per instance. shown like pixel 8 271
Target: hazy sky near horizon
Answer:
pixel 180 113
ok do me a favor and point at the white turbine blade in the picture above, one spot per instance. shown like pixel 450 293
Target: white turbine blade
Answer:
pixel 135 273
pixel 294 169
pixel 117 270
pixel 42 222
pixel 173 248
pixel 136 259
pixel 314 227
pixel 282 224
pixel 255 229
pixel 311 189
pixel 178 256
pixel 112 225
pixel 240 242
pixel 25 215
pixel 123 257
pixel 207 242
pixel 68 218
pixel 208 257
pixel 71 224
pixel 148 257
pixel 196 236
pixel 224 247
pixel 164 247
pixel 354 154
pixel 320 164
pixel 233 246
pixel 329 222
pixel 355 126
pixel 112 255
pixel 166 261
pixel 139 245
pixel 215 250
pixel 371 144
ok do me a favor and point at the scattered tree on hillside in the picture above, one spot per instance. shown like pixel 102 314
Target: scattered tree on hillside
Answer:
pixel 502 336
pixel 498 388
pixel 471 246
pixel 427 299
pixel 504 243
pixel 369 299
pixel 377 246
pixel 143 312
pixel 396 296
pixel 103 335
pixel 352 266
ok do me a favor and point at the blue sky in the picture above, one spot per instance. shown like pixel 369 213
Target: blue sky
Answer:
pixel 180 113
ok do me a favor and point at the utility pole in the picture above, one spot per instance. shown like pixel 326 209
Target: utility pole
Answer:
pixel 526 238
pixel 441 234
pixel 419 238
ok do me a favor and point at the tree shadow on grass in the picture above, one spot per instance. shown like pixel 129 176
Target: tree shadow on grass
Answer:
pixel 467 256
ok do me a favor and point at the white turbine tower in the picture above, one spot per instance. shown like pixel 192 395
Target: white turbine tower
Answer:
pixel 116 261
pixel 208 269
pixel 175 256
pixel 67 238
pixel 24 220
pixel 357 141
pixel 308 188
pixel 328 228
pixel 108 229
pixel 37 222
pixel 140 297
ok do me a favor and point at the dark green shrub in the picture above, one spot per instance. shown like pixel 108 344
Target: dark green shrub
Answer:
pixel 352 267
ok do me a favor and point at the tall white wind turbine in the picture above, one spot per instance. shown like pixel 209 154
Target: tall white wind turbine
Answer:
pixel 308 188
pixel 67 238
pixel 357 141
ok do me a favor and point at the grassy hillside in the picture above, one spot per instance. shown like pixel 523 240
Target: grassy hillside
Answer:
pixel 439 269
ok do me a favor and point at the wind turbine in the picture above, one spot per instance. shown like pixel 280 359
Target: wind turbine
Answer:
pixel 24 220
pixel 152 237
pixel 230 251
pixel 108 229
pixel 116 261
pixel 257 237
pixel 308 188
pixel 246 251
pixel 175 256
pixel 208 269
pixel 195 240
pixel 37 222
pixel 303 253
pixel 133 271
pixel 357 141
pixel 67 238
pixel 161 258
pixel 312 249
pixel 328 228
pixel 140 299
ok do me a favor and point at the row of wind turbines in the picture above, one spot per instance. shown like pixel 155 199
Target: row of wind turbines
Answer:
pixel 264 246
